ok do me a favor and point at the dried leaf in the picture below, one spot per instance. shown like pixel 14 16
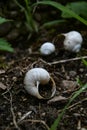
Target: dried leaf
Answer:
pixel 2 71
pixel 56 99
pixel 2 86
pixel 69 85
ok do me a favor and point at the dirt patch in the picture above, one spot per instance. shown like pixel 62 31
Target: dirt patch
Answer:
pixel 18 109
pixel 16 99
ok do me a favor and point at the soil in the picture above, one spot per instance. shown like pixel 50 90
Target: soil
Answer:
pixel 18 109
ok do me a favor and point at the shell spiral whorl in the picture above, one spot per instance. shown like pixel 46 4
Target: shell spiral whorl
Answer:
pixel 34 78
pixel 73 41
pixel 47 48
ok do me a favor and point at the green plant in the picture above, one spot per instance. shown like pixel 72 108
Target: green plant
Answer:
pixel 52 23
pixel 63 9
pixel 74 96
pixel 27 9
pixel 3 20
pixel 84 61
pixel 79 8
pixel 4 45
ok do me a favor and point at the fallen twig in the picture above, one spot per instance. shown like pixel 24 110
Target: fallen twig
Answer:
pixel 13 114
pixel 85 99
pixel 11 107
pixel 63 61
pixel 24 116
pixel 73 105
pixel 67 60
pixel 35 121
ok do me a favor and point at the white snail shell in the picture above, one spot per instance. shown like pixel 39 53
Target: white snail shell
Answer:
pixel 73 41
pixel 47 48
pixel 37 76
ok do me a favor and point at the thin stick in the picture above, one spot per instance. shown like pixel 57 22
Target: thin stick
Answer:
pixel 35 121
pixel 77 103
pixel 63 61
pixel 11 107
pixel 25 116
pixel 13 114
pixel 73 105
pixel 67 60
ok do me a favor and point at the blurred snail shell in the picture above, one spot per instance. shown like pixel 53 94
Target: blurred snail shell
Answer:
pixel 73 41
pixel 47 48
pixel 34 78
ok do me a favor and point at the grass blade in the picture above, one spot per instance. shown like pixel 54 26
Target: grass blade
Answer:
pixel 84 61
pixel 79 7
pixel 5 46
pixel 63 9
pixel 76 94
pixel 52 23
pixel 3 20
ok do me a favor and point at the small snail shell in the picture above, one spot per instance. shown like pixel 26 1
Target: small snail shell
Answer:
pixel 47 48
pixel 34 78
pixel 73 41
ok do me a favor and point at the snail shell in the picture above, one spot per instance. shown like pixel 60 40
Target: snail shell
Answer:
pixel 73 41
pixel 47 48
pixel 34 78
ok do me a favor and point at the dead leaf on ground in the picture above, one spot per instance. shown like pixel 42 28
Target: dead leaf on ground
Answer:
pixel 2 71
pixel 2 86
pixel 69 86
pixel 57 99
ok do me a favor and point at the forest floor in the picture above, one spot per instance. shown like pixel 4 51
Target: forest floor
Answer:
pixel 21 111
